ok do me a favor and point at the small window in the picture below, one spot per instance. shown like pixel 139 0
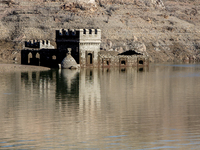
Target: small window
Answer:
pixel 141 62
pixel 37 55
pixel 107 62
pixel 90 57
pixel 123 62
pixel 29 57
pixel 54 57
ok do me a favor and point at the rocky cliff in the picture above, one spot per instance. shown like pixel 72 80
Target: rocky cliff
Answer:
pixel 168 30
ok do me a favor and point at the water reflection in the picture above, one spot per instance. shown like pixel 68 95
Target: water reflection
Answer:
pixel 119 108
pixel 67 89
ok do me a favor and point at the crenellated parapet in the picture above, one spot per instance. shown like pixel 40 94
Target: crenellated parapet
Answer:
pixel 90 36
pixel 66 33
pixel 31 44
pixel 79 35
pixel 38 44
pixel 88 32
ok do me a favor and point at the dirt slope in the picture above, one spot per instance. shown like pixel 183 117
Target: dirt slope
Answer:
pixel 168 30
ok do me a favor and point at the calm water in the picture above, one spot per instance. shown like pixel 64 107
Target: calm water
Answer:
pixel 154 108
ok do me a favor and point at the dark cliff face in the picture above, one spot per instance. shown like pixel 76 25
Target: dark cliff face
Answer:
pixel 168 30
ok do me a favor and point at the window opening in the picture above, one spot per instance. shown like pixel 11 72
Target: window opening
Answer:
pixel 141 62
pixel 89 58
pixel 37 55
pixel 123 62
pixel 29 57
pixel 107 62
pixel 54 57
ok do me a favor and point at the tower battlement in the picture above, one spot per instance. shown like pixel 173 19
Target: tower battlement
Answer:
pixel 66 32
pixel 90 31
pixel 79 35
pixel 40 44
pixel 74 32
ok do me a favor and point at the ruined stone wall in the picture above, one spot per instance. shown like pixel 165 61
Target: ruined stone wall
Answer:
pixel 107 60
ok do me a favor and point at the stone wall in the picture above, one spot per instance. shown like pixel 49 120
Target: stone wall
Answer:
pixel 108 60
pixel 89 54
pixel 85 44
pixel 43 57
pixel 85 49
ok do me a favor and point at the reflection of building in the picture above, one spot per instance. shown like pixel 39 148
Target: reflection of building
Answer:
pixel 89 90
pixel 39 81
pixel 83 86
pixel 100 108
pixel 85 49
pixel 67 84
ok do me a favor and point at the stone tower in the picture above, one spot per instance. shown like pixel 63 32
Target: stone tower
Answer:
pixel 84 44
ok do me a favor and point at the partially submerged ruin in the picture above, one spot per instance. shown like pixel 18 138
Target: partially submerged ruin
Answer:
pixel 78 48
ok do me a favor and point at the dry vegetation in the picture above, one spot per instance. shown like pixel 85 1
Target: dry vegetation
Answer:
pixel 170 31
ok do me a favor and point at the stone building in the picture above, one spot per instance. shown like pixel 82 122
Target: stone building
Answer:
pixel 81 48
pixel 84 44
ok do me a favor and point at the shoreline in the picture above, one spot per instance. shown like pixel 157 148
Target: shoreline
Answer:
pixel 4 67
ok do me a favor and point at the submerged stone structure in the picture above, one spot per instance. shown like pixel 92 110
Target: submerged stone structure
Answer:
pixel 78 48
pixel 69 62
pixel 84 44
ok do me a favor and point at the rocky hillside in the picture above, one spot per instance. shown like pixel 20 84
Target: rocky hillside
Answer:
pixel 168 30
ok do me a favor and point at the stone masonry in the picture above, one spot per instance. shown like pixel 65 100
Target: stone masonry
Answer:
pixel 84 45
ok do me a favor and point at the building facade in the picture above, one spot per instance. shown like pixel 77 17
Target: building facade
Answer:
pixel 84 47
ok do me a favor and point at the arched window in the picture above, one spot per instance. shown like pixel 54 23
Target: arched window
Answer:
pixel 123 62
pixel 29 57
pixel 107 62
pixel 37 55
pixel 141 62
pixel 54 57
pixel 89 58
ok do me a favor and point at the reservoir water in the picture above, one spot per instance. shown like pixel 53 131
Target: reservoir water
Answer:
pixel 150 108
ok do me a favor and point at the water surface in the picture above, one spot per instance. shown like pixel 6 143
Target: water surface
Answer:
pixel 150 108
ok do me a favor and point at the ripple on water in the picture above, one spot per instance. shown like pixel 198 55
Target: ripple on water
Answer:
pixel 96 109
